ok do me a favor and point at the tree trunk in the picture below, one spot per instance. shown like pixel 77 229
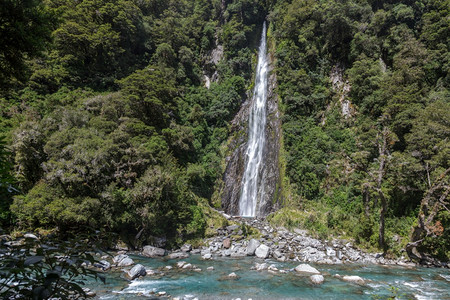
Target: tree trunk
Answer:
pixel 381 240
pixel 366 201
pixel 429 208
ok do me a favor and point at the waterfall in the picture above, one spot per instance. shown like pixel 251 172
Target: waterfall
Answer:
pixel 249 200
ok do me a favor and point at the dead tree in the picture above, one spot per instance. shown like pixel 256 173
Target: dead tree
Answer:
pixel 434 201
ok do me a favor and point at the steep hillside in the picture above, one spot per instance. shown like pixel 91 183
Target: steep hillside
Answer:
pixel 364 86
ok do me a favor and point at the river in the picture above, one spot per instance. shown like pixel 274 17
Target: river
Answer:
pixel 382 282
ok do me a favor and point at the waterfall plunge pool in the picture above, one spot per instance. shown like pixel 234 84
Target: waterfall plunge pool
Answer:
pixel 382 282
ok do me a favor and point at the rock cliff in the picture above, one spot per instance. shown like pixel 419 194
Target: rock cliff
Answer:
pixel 269 193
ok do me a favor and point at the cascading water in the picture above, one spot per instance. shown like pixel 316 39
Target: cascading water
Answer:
pixel 248 201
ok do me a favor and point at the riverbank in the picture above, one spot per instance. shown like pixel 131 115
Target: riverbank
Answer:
pixel 284 245
pixel 256 237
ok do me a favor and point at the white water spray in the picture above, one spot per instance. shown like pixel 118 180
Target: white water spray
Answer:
pixel 257 123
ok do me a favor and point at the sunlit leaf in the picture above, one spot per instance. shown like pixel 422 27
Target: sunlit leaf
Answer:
pixel 32 260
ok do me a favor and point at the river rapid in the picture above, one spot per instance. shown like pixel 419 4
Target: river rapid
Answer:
pixel 279 281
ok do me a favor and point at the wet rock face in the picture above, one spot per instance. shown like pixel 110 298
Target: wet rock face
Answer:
pixel 270 179
pixel 236 159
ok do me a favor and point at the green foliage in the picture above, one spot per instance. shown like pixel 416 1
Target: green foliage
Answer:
pixel 197 226
pixel 150 93
pixel 24 33
pixel 7 181
pixel 98 39
pixel 44 269
pixel 391 55
pixel 45 206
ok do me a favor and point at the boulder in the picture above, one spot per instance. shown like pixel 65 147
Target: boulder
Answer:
pixel 282 244
pixel 354 279
pixel 125 262
pixel 239 252
pixel 252 246
pixel 207 256
pixel 186 248
pixel 226 243
pixel 187 266
pixel 118 258
pixel 151 272
pixel 150 251
pixel 30 236
pixel 103 264
pixel 282 259
pixel 204 251
pixel 180 264
pixel 137 271
pixel 330 252
pixel 305 268
pixel 210 268
pixel 261 267
pixel 178 255
pixel 316 279
pixel 272 268
pixel 232 228
pixel 89 293
pixel 262 251
pixel 277 254
pixel 233 276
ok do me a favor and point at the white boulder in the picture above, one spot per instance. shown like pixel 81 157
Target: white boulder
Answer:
pixel 262 251
pixel 317 279
pixel 305 268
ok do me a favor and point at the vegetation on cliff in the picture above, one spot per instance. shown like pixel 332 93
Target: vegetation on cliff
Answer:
pixel 380 167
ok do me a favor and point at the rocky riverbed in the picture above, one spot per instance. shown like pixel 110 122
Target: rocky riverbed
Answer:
pixel 284 245
pixel 257 278
pixel 270 254
pixel 277 243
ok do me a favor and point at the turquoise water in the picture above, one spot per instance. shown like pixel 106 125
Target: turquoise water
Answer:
pixel 411 283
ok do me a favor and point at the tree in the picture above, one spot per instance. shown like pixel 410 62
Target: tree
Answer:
pixel 378 175
pixel 435 199
pixel 151 93
pixel 7 189
pixel 429 145
pixel 25 29
pixel 98 41
pixel 27 146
